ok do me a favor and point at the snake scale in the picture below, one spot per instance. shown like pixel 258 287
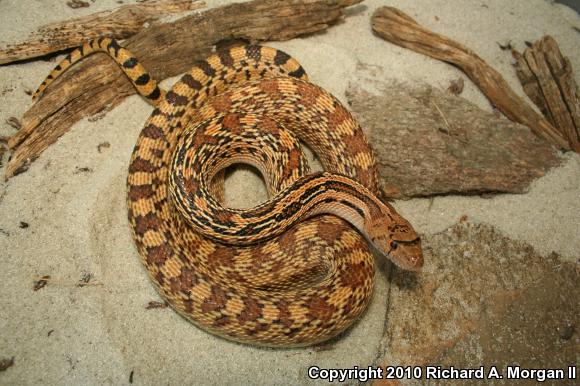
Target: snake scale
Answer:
pixel 293 271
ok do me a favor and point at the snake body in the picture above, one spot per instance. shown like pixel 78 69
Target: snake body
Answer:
pixel 291 271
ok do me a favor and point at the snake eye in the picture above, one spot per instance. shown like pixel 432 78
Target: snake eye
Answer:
pixel 394 245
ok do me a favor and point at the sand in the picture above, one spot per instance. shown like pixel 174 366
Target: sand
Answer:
pixel 102 333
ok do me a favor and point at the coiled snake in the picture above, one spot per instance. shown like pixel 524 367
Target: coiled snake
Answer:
pixel 290 271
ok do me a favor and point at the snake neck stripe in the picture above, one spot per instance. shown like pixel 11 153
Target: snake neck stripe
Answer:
pixel 293 271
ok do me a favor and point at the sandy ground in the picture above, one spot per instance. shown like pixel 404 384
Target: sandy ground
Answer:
pixel 77 220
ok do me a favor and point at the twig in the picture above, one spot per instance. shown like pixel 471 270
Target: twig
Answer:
pixel 443 116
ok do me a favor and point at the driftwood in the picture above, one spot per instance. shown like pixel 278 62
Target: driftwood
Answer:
pixel 548 79
pixel 428 142
pixel 168 50
pixel 399 28
pixel 122 23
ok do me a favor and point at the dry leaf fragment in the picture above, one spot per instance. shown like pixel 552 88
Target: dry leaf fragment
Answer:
pixel 456 86
pixel 74 4
pixel 505 46
pixel 103 145
pixel 83 169
pixel 85 279
pixel 41 283
pixel 5 363
pixel 156 304
pixel 14 122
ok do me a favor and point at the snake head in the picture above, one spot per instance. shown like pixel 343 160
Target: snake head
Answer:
pixel 399 242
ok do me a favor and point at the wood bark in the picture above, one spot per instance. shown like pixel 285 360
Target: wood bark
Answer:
pixel 97 83
pixel 428 142
pixel 482 288
pixel 548 79
pixel 399 28
pixel 122 23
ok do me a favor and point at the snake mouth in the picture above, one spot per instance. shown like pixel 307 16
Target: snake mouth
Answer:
pixel 407 254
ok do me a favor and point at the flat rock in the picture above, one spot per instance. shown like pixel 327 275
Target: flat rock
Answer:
pixel 429 142
pixel 484 300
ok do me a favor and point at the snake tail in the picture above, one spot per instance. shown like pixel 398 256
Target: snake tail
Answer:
pixel 139 76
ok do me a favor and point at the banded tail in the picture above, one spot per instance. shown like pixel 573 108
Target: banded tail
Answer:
pixel 143 82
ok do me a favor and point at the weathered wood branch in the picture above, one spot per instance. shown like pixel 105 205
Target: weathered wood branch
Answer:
pixel 398 28
pixel 97 83
pixel 548 79
pixel 122 23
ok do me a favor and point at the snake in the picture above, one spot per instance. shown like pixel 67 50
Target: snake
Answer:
pixel 297 269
